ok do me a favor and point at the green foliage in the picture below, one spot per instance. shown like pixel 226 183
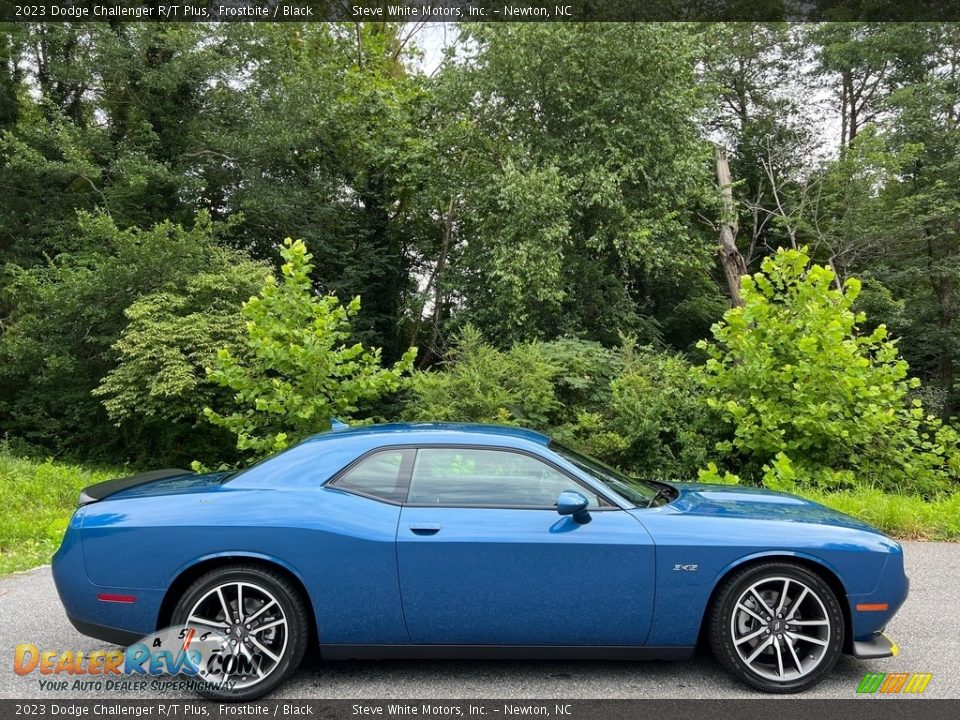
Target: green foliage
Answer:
pixel 588 181
pixel 877 303
pixel 294 372
pixel 327 137
pixel 636 408
pixel 523 258
pixel 478 383
pixel 765 120
pixel 159 384
pixel 530 187
pixel 658 407
pixel 66 317
pixel 652 419
pixel 584 371
pixel 111 120
pixel 813 401
pixel 40 496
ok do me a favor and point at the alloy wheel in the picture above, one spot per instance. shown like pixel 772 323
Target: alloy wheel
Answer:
pixel 254 627
pixel 780 629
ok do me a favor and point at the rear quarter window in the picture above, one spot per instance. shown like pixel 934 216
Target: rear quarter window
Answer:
pixel 382 475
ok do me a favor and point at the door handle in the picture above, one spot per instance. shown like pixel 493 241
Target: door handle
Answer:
pixel 425 528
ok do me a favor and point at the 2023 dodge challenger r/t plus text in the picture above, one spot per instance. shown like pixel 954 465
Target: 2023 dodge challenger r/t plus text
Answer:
pixel 443 541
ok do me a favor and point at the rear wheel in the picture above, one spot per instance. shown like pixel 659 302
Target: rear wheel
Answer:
pixel 263 624
pixel 777 626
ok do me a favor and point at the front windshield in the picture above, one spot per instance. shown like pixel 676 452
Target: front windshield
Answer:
pixel 639 492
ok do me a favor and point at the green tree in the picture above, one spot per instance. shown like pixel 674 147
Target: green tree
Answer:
pixel 763 119
pixel 294 371
pixel 113 121
pixel 812 400
pixel 158 388
pixel 59 339
pixel 888 203
pixel 326 139
pixel 592 180
pixel 921 209
pixel 862 63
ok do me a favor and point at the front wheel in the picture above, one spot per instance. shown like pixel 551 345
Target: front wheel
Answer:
pixel 261 621
pixel 778 627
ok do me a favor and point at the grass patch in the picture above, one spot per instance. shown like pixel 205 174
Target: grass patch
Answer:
pixel 39 498
pixel 902 516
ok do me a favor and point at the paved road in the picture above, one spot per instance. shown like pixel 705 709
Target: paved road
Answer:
pixel 927 628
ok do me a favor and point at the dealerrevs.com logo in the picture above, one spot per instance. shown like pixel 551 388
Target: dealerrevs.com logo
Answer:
pixel 893 683
pixel 204 657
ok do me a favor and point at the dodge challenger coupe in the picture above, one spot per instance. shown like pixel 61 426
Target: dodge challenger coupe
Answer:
pixel 457 541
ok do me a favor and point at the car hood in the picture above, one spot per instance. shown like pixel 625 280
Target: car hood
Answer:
pixel 735 501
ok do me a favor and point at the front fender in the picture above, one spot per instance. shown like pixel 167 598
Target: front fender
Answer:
pixel 716 547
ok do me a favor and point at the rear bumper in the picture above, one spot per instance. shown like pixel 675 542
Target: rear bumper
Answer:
pixel 878 646
pixel 124 638
pixel 89 607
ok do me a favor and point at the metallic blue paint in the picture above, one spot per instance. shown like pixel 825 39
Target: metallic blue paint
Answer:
pixel 525 577
pixel 575 505
pixel 384 574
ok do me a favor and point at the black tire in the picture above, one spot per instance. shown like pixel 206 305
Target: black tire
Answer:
pixel 271 585
pixel 739 624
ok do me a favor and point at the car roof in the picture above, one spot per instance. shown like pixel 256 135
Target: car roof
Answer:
pixel 449 431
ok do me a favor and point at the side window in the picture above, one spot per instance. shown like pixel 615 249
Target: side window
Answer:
pixel 467 476
pixel 382 475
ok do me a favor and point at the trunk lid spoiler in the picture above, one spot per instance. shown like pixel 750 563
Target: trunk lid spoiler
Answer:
pixel 93 493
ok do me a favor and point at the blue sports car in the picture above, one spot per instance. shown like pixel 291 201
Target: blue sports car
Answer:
pixel 443 541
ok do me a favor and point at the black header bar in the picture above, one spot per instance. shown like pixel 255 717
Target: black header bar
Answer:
pixel 478 10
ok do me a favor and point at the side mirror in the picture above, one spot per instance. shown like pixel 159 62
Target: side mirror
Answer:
pixel 573 504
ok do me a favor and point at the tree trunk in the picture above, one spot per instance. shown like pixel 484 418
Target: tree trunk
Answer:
pixel 438 299
pixel 844 101
pixel 433 282
pixel 734 268
pixel 384 277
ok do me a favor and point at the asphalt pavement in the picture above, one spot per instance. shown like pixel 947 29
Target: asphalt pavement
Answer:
pixel 927 629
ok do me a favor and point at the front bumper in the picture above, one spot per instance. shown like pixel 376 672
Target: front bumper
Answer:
pixel 878 646
pixel 871 613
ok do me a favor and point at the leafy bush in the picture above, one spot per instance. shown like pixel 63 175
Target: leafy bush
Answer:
pixel 658 407
pixel 584 371
pixel 294 372
pixel 636 408
pixel 812 400
pixel 653 420
pixel 479 383
pixel 59 337
pixel 159 386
